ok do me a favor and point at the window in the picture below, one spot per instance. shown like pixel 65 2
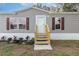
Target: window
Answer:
pixel 21 26
pixel 13 26
pixel 57 26
pixel 17 23
pixel 58 23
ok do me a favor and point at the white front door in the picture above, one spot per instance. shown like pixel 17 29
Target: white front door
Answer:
pixel 41 22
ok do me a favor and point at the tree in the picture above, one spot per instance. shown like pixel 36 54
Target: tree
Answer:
pixel 46 7
pixel 39 5
pixel 69 7
pixel 56 7
pixel 42 6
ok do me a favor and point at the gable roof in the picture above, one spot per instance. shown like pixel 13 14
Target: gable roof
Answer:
pixel 7 13
pixel 33 8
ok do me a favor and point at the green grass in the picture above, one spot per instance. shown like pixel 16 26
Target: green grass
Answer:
pixel 60 48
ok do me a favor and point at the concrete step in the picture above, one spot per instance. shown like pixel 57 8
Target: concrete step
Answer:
pixel 42 47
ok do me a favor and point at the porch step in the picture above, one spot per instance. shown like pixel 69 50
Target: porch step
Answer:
pixel 41 42
pixel 41 34
pixel 42 38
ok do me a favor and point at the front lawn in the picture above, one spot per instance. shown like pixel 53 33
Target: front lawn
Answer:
pixel 60 48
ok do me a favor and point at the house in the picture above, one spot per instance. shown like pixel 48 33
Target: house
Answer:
pixel 62 25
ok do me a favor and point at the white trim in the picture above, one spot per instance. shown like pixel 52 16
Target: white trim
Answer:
pixel 65 36
pixel 24 35
pixel 54 36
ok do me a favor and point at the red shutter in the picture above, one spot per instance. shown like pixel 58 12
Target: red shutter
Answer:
pixel 27 23
pixel 53 23
pixel 7 24
pixel 62 23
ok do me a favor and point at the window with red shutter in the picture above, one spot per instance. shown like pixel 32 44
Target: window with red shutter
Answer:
pixel 27 23
pixel 7 24
pixel 53 23
pixel 62 23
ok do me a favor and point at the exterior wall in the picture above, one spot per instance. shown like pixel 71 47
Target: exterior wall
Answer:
pixel 31 14
pixel 71 22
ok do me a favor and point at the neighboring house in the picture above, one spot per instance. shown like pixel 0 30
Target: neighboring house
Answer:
pixel 62 25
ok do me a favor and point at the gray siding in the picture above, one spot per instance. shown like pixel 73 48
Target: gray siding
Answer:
pixel 71 22
pixel 31 14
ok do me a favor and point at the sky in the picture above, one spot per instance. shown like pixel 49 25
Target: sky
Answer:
pixel 5 7
pixel 14 6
